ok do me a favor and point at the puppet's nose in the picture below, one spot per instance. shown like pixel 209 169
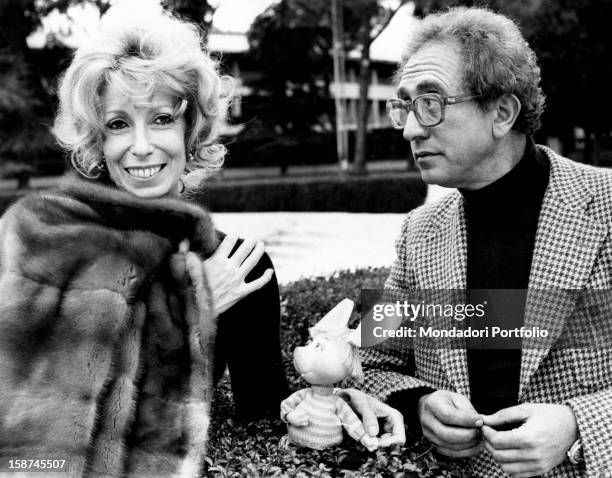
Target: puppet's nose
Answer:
pixel 298 354
pixel 302 359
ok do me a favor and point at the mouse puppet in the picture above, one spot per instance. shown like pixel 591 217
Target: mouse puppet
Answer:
pixel 315 416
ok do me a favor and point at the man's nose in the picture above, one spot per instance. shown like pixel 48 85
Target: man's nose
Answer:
pixel 412 129
pixel 141 142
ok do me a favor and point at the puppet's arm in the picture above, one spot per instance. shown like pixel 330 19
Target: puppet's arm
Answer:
pixel 289 414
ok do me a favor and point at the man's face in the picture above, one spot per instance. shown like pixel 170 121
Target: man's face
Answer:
pixel 459 151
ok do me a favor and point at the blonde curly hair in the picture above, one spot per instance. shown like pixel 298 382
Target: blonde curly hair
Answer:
pixel 140 55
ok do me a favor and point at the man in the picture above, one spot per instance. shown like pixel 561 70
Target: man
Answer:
pixel 523 217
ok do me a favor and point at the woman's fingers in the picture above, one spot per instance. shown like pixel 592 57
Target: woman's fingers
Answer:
pixel 253 258
pixel 259 282
pixel 226 275
pixel 242 252
pixel 226 246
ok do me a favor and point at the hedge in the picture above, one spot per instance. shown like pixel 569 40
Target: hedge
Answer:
pixel 253 450
pixel 391 192
pixel 9 197
pixel 260 147
pixel 398 193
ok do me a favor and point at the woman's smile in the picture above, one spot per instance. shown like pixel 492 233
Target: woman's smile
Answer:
pixel 142 172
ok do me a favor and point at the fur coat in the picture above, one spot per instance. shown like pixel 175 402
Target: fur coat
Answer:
pixel 106 330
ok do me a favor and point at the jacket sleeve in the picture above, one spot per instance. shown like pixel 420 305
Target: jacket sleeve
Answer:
pixel 391 369
pixel 594 420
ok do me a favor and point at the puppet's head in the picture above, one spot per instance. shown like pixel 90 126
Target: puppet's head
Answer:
pixel 333 352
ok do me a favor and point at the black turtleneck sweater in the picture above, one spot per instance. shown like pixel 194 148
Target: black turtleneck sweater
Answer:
pixel 502 220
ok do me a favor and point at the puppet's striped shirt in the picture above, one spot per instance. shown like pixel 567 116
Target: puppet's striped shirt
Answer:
pixel 327 414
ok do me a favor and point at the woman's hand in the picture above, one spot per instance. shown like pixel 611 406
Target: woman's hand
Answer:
pixel 226 274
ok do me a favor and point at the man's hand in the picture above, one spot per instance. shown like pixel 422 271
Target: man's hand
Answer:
pixel 538 444
pixel 450 422
pixel 371 443
pixel 226 274
pixel 370 409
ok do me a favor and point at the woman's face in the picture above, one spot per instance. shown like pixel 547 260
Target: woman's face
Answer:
pixel 144 145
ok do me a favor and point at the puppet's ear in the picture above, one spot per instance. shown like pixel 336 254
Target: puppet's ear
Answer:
pixel 336 319
pixel 355 336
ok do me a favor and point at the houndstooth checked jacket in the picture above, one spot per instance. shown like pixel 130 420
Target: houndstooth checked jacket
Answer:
pixel 573 250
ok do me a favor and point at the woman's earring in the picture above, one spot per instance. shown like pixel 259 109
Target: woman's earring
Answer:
pixel 192 156
pixel 102 166
pixel 181 186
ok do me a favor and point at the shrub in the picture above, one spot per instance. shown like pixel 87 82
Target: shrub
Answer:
pixel 302 148
pixel 9 197
pixel 17 170
pixel 305 301
pixel 396 192
pixel 253 450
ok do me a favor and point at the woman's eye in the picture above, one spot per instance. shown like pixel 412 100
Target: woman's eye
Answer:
pixel 116 124
pixel 164 120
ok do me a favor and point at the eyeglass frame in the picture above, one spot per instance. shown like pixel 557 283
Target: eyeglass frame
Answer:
pixel 443 100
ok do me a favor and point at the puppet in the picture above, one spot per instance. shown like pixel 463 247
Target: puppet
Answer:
pixel 315 416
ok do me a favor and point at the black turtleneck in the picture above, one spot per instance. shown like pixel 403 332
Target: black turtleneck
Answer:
pixel 502 220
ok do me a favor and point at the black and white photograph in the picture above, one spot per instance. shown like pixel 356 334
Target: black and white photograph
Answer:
pixel 306 238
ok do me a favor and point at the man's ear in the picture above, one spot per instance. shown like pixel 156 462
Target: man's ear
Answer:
pixel 506 109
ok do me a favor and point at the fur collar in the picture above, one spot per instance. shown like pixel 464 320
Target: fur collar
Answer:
pixel 173 219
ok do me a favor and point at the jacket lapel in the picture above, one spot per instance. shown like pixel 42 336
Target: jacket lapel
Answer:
pixel 446 247
pixel 567 243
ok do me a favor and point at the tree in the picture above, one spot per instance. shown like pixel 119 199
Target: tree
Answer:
pixel 200 12
pixel 574 46
pixel 369 18
pixel 291 42
pixel 20 92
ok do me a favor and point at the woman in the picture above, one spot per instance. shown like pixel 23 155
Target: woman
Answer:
pixel 110 285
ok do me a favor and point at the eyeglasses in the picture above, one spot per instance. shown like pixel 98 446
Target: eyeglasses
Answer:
pixel 428 109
